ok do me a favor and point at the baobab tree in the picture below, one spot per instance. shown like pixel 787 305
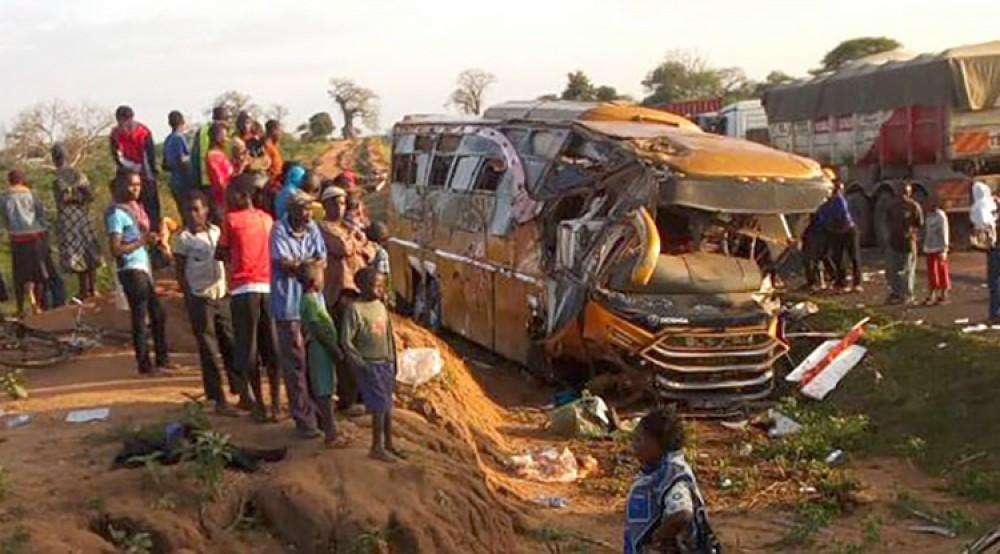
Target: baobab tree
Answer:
pixel 37 128
pixel 355 102
pixel 470 93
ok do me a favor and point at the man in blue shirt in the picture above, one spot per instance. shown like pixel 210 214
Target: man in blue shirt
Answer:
pixel 128 234
pixel 844 239
pixel 177 160
pixel 295 240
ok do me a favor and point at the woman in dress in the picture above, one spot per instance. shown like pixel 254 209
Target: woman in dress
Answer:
pixel 79 251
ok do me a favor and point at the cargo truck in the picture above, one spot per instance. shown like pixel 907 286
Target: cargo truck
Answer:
pixel 933 119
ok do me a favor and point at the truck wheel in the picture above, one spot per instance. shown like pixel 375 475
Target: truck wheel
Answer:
pixel 861 212
pixel 883 203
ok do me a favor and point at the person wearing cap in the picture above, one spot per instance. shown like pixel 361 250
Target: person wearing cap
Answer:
pixel 245 246
pixel 133 149
pixel 348 251
pixel 295 241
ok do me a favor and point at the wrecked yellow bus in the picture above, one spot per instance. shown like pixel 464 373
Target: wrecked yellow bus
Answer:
pixel 577 237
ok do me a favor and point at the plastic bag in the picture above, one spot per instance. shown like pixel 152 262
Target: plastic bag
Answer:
pixel 419 365
pixel 587 417
pixel 548 465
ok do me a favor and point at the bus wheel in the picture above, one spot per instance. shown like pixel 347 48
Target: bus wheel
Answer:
pixel 861 212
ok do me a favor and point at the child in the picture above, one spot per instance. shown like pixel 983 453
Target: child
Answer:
pixel 665 510
pixel 128 235
pixel 936 246
pixel 367 341
pixel 203 280
pixel 323 351
pixel 245 244
pixel 23 215
pixel 377 233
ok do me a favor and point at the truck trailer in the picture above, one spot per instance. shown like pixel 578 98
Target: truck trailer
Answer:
pixel 932 119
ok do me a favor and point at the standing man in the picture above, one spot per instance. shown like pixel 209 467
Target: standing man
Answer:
pixel 201 144
pixel 347 251
pixel 244 244
pixel 23 216
pixel 905 220
pixel 177 160
pixel 983 217
pixel 133 150
pixel 203 279
pixel 295 241
pixel 844 239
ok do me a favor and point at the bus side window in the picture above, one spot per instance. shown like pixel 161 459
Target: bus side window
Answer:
pixel 444 155
pixel 492 171
pixel 404 169
pixel 424 148
pixel 464 175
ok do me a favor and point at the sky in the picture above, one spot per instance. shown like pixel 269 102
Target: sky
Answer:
pixel 159 55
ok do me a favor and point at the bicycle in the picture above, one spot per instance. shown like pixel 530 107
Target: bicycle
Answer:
pixel 25 346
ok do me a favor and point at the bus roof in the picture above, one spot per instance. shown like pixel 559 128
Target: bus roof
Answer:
pixel 559 111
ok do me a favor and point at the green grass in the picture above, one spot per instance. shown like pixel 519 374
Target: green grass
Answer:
pixel 935 405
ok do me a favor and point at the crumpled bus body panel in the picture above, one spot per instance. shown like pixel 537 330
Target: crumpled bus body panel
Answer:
pixel 554 231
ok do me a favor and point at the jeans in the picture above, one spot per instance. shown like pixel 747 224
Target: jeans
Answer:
pixel 149 197
pixel 292 352
pixel 213 331
pixel 253 337
pixel 846 244
pixel 901 274
pixel 993 281
pixel 142 299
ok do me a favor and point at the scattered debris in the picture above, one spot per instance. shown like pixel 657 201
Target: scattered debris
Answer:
pixel 548 465
pixel 942 345
pixel 969 459
pixel 746 450
pixel 553 501
pixel 587 466
pixel 982 545
pixel 726 483
pixel 933 530
pixel 980 328
pixel 834 457
pixel 87 415
pixel 783 425
pixel 801 311
pixel 18 420
pixel 962 321
pixel 740 425
pixel 824 368
pixel 419 365
pixel 587 417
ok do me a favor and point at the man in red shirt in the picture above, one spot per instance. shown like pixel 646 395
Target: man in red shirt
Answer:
pixel 133 149
pixel 245 246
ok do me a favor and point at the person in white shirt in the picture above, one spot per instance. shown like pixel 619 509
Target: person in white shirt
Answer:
pixel 203 279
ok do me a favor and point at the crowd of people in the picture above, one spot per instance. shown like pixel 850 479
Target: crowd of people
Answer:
pixel 268 290
pixel 832 250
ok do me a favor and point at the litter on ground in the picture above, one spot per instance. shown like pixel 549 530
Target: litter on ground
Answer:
pixel 588 417
pixel 783 425
pixel 90 414
pixel 548 465
pixel 419 365
pixel 933 529
pixel 824 368
pixel 18 420
pixel 552 501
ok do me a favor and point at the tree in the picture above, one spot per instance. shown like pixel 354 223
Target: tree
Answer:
pixel 606 93
pixel 37 128
pixel 856 48
pixel 774 78
pixel 686 76
pixel 277 112
pixel 578 87
pixel 355 102
pixel 320 126
pixel 235 101
pixel 468 96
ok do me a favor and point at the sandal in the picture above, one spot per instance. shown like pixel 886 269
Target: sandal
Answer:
pixel 337 443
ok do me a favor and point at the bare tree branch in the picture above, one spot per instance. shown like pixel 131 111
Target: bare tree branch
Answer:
pixel 471 91
pixel 355 102
pixel 37 128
